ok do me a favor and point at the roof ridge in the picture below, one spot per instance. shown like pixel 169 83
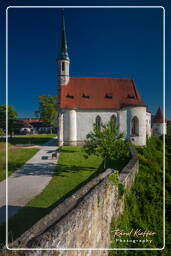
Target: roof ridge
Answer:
pixel 101 78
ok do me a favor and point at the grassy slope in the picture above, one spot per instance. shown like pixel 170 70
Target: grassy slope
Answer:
pixel 144 204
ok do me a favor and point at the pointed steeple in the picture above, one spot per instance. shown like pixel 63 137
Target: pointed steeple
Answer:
pixel 158 118
pixel 64 49
pixel 63 60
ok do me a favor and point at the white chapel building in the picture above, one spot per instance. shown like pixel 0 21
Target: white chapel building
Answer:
pixel 84 101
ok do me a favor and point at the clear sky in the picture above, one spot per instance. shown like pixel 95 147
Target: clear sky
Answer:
pixel 107 42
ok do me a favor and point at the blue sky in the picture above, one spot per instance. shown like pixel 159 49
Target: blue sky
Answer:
pixel 106 42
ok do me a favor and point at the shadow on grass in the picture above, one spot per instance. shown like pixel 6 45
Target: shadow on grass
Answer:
pixel 30 140
pixel 61 168
pixel 67 151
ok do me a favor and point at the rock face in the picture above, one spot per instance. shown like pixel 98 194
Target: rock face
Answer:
pixel 84 219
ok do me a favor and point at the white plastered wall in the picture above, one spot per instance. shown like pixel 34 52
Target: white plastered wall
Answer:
pixel 86 119
pixel 140 113
pixel 159 129
pixel 148 124
pixel 64 74
pixel 78 123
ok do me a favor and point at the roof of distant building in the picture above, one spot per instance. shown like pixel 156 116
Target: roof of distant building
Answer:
pixel 158 118
pixel 100 93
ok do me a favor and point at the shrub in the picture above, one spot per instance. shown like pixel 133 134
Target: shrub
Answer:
pixel 114 178
pixel 121 189
pixel 107 143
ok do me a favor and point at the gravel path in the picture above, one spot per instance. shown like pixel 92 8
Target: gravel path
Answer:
pixel 29 180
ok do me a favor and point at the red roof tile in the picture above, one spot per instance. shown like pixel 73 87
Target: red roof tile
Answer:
pixel 99 93
pixel 158 118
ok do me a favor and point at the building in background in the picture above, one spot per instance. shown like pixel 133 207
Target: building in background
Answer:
pixel 31 126
pixel 87 101
pixel 159 125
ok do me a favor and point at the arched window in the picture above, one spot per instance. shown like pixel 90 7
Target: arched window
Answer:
pixel 63 66
pixel 113 122
pixel 135 126
pixel 113 118
pixel 98 122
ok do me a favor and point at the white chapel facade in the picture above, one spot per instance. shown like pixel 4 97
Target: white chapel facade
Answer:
pixel 86 101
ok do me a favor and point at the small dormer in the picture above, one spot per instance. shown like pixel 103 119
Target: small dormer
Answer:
pixel 108 96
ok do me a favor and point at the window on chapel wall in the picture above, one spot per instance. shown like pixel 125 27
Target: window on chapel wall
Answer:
pixel 113 120
pixel 63 66
pixel 135 126
pixel 98 122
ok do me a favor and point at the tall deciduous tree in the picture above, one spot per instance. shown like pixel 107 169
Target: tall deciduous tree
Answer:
pixel 47 110
pixel 106 142
pixel 12 116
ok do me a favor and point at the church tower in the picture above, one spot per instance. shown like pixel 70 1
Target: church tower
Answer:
pixel 63 61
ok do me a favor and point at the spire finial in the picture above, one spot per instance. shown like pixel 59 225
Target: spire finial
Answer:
pixel 64 50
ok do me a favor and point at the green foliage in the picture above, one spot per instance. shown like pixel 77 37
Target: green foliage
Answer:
pixel 121 189
pixel 2 132
pixel 168 137
pixel 12 116
pixel 107 142
pixel 144 203
pixel 114 178
pixel 48 110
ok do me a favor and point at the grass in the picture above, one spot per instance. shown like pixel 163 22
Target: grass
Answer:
pixel 144 203
pixel 72 172
pixel 16 158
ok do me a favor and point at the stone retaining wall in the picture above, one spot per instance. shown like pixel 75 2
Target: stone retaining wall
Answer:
pixel 84 219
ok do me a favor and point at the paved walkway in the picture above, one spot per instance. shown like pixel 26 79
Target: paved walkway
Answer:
pixel 29 180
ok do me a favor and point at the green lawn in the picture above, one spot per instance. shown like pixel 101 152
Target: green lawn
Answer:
pixel 16 158
pixel 144 203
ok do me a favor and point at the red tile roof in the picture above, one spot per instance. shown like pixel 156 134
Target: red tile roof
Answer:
pixel 99 93
pixel 158 118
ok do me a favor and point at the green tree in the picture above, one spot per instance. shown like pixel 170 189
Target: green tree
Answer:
pixel 12 117
pixel 106 142
pixel 1 132
pixel 47 110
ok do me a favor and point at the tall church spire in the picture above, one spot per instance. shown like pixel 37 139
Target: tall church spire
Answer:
pixel 64 49
pixel 63 61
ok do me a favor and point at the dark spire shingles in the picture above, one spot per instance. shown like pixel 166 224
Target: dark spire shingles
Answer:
pixel 64 49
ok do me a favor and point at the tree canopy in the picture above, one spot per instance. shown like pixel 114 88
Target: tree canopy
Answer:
pixel 106 142
pixel 47 110
pixel 12 116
